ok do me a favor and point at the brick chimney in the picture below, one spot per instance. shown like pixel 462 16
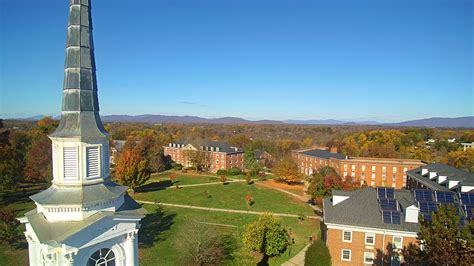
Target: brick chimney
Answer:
pixel 333 149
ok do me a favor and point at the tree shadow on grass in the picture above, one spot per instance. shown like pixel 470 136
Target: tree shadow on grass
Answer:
pixel 153 225
pixel 22 193
pixel 154 186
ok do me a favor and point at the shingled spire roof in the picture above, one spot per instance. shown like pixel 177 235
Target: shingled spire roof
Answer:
pixel 80 105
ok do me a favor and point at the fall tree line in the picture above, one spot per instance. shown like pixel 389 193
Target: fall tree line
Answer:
pixel 25 149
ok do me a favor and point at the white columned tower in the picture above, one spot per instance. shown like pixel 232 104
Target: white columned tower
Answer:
pixel 83 218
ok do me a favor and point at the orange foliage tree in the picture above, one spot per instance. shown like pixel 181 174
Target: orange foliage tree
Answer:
pixel 131 169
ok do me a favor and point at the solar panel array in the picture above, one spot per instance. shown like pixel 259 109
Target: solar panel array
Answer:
pixel 388 205
pixel 385 192
pixel 391 217
pixel 423 195
pixel 444 197
pixel 426 203
pixel 467 201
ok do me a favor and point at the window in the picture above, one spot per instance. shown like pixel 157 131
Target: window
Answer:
pixel 384 176
pixel 397 242
pixel 372 183
pixel 373 176
pixel 102 257
pixel 394 177
pixel 368 257
pixel 346 255
pixel 405 169
pixel 347 236
pixel 363 167
pixel 369 238
pixel 92 162
pixel 373 168
pixel 345 167
pixel 363 175
pixel 345 174
pixel 384 169
pixel 394 169
pixel 70 163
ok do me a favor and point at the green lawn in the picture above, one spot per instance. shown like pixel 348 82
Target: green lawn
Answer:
pixel 159 231
pixel 230 196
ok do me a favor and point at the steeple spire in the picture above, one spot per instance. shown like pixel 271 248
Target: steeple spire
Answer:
pixel 80 105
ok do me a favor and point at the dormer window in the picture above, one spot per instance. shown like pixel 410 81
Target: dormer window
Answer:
pixel 92 162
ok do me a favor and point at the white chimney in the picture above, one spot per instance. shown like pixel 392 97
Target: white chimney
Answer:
pixel 411 214
pixel 217 148
pixel 336 199
pixel 432 175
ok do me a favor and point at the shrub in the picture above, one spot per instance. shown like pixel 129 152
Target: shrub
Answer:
pixel 177 166
pixel 234 171
pixel 222 172
pixel 317 254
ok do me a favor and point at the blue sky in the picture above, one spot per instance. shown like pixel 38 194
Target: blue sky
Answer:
pixel 355 60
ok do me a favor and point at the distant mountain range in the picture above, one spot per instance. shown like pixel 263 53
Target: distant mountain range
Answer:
pixel 466 122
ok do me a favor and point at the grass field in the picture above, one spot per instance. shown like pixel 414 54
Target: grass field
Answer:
pixel 230 196
pixel 165 224
pixel 161 227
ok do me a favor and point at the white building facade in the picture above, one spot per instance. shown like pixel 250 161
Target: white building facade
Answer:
pixel 83 218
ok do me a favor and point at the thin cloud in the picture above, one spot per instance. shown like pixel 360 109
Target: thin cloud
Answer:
pixel 192 103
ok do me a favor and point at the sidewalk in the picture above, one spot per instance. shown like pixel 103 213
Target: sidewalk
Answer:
pixel 224 210
pixel 298 259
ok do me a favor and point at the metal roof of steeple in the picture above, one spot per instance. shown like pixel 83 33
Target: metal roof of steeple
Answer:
pixel 80 104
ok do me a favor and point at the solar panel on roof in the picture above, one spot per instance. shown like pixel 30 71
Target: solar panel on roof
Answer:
pixel 427 217
pixel 423 195
pixel 467 198
pixel 444 197
pixel 388 204
pixel 385 192
pixel 468 209
pixel 391 217
pixel 427 207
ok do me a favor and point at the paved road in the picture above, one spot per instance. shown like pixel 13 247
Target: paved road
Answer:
pixel 224 210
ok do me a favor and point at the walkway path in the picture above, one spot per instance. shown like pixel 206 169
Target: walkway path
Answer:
pixel 302 198
pixel 224 210
pixel 298 259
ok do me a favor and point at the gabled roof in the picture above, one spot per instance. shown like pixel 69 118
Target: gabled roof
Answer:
pixel 223 146
pixel 325 154
pixel 453 174
pixel 362 209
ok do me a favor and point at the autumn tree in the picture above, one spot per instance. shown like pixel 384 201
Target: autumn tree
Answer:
pixel 38 161
pixel 10 233
pixel 266 236
pixel 322 182
pixel 241 141
pixel 445 240
pixel 461 159
pixel 200 244
pixel 196 158
pixel 251 165
pixel 132 169
pixel 287 170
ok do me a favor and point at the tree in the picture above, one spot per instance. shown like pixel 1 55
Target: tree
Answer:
pixel 287 170
pixel 461 159
pixel 131 169
pixel 266 236
pixel 322 182
pixel 196 158
pixel 445 240
pixel 200 244
pixel 251 165
pixel 9 227
pixel 38 161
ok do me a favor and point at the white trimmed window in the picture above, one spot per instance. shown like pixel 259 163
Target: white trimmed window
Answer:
pixel 368 258
pixel 347 236
pixel 92 161
pixel 346 255
pixel 373 168
pixel 369 239
pixel 70 163
pixel 397 242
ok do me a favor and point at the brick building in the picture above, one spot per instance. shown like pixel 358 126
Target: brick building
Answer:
pixel 370 171
pixel 218 155
pixel 364 226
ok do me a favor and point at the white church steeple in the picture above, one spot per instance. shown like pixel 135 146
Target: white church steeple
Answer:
pixel 83 218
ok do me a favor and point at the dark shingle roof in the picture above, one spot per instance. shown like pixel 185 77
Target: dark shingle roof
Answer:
pixel 452 173
pixel 362 209
pixel 319 153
